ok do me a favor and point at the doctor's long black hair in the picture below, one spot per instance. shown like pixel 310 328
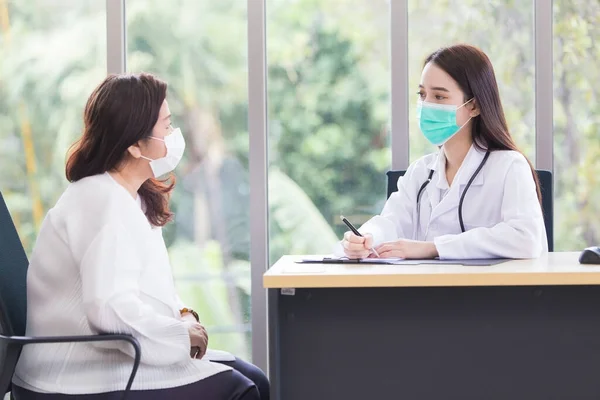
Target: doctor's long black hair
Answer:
pixel 472 70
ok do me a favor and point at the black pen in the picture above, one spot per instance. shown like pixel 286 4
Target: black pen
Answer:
pixel 355 231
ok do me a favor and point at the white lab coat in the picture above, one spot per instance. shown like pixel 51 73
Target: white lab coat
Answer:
pixel 501 211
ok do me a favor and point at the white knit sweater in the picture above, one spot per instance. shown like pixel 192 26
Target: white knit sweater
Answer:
pixel 99 266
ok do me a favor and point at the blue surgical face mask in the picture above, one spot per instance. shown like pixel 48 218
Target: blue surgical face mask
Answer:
pixel 438 121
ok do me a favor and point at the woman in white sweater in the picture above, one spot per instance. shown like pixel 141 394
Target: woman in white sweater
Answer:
pixel 100 265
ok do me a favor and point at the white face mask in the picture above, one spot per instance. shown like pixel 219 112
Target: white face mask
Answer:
pixel 175 144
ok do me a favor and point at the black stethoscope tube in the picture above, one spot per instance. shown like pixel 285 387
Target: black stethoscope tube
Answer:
pixel 462 198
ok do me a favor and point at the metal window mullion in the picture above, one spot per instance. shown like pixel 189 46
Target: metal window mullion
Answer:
pixel 544 124
pixel 116 45
pixel 399 76
pixel 257 128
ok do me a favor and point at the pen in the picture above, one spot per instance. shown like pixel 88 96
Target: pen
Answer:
pixel 355 231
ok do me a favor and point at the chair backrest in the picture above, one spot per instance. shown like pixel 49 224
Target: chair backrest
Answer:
pixel 13 294
pixel 547 189
pixel 547 199
pixel 392 183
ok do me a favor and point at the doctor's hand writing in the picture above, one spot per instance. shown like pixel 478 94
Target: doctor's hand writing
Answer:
pixel 403 248
pixel 357 246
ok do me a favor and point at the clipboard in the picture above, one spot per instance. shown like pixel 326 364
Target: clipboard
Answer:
pixel 399 261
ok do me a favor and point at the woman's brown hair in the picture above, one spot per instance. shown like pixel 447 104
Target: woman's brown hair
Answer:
pixel 120 112
pixel 472 70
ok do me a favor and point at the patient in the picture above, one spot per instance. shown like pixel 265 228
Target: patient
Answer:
pixel 100 264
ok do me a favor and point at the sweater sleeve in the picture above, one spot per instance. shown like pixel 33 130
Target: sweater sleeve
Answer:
pixel 180 303
pixel 110 274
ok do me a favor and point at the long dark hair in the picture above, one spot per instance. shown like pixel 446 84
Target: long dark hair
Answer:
pixel 121 111
pixel 472 70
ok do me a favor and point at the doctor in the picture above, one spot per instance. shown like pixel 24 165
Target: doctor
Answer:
pixel 478 196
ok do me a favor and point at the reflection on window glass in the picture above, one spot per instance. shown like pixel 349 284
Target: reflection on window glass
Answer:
pixel 52 55
pixel 328 98
pixel 576 123
pixel 199 48
pixel 504 31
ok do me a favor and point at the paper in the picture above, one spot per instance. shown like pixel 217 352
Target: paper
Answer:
pixel 309 259
pixel 393 260
pixel 398 261
pixel 345 260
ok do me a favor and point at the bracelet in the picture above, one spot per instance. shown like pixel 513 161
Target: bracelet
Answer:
pixel 189 310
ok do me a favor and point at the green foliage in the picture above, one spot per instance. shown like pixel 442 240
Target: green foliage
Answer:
pixel 201 281
pixel 46 73
pixel 504 31
pixel 297 226
pixel 326 129
pixel 576 123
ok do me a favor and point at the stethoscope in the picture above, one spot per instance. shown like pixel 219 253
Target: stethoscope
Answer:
pixel 462 197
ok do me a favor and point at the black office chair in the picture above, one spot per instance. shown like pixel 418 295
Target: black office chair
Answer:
pixel 13 308
pixel 546 187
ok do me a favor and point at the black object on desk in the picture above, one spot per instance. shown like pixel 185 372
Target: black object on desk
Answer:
pixel 591 255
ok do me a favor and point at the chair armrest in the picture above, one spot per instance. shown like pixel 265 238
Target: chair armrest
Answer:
pixel 24 340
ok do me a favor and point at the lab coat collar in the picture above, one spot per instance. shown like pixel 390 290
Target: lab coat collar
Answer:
pixel 433 164
pixel 439 180
pixel 470 164
pixel 450 202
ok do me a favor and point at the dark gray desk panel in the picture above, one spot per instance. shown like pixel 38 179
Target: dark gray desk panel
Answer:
pixel 436 343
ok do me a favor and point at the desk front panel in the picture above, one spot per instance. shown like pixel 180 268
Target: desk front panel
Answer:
pixel 436 343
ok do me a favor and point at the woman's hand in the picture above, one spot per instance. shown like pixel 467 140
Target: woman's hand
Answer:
pixel 403 248
pixel 198 339
pixel 357 246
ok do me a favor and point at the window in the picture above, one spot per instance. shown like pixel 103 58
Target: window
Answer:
pixel 52 55
pixel 199 48
pixel 576 124
pixel 328 121
pixel 504 31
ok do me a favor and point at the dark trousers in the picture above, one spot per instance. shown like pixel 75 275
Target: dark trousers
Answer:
pixel 244 382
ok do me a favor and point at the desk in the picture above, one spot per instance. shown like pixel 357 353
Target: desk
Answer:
pixel 527 329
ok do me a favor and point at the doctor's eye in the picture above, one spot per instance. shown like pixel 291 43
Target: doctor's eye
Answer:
pixel 438 97
pixel 421 94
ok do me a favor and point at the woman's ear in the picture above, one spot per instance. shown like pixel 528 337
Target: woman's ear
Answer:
pixel 474 108
pixel 135 150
